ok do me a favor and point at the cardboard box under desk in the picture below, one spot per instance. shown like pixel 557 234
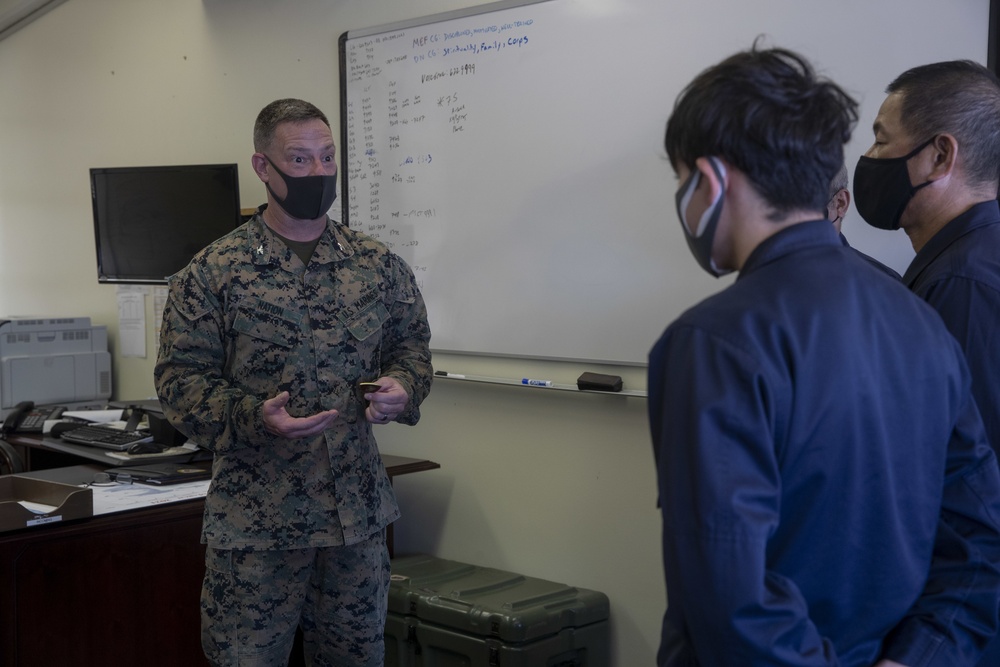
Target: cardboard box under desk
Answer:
pixel 70 502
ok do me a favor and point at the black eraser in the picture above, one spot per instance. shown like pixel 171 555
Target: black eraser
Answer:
pixel 599 382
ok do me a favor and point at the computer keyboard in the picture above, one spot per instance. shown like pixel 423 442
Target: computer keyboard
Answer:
pixel 107 437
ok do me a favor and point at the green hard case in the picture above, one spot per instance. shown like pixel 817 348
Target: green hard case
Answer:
pixel 444 613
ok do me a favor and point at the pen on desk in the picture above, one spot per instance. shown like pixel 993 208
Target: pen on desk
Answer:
pixel 536 383
pixel 444 374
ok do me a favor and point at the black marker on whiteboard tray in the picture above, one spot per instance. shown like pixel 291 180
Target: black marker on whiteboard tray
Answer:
pixel 449 375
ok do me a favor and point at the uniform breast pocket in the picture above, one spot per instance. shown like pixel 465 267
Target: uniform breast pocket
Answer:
pixel 263 350
pixel 361 347
pixel 369 323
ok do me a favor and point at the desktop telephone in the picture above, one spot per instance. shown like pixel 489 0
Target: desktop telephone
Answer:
pixel 25 417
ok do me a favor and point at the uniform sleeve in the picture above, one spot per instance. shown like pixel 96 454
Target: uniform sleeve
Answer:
pixel 189 373
pixel 406 352
pixel 956 614
pixel 719 488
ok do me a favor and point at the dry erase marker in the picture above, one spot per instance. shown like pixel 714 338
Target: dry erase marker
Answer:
pixel 444 374
pixel 536 383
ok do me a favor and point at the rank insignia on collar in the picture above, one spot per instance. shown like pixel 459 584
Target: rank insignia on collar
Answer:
pixel 260 249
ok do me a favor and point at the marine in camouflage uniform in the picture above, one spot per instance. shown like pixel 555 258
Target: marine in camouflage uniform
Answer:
pixel 246 321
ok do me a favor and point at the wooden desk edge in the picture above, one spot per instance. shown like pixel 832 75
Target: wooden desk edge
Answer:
pixel 403 465
pixel 394 465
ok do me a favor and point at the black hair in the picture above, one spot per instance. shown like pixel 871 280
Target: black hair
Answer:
pixel 766 112
pixel 961 98
pixel 288 110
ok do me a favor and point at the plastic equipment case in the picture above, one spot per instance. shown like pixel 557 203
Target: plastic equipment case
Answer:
pixel 444 613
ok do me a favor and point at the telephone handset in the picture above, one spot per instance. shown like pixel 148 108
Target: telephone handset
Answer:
pixel 25 417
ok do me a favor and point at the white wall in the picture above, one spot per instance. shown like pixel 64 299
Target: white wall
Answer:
pixel 550 484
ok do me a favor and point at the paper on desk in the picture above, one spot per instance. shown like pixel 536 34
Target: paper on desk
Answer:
pixel 166 453
pixel 98 416
pixel 37 508
pixel 121 497
pixel 109 417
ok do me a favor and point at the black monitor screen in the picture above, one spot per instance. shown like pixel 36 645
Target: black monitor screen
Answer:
pixel 150 221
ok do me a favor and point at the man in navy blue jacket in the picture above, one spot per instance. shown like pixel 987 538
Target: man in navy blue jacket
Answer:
pixel 828 493
pixel 934 170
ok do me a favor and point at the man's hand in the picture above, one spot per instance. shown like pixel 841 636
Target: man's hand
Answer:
pixel 386 403
pixel 888 663
pixel 277 421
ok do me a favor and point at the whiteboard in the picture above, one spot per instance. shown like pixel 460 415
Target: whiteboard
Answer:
pixel 512 153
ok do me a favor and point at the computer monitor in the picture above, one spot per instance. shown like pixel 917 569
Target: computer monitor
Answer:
pixel 150 221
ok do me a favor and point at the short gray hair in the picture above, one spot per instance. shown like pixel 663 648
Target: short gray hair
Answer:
pixel 288 110
pixel 839 181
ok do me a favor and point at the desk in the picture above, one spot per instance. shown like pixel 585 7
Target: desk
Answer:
pixel 119 589
pixel 43 453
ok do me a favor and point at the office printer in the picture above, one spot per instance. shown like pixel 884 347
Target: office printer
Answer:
pixel 61 361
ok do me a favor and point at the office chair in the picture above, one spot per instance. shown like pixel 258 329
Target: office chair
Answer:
pixel 10 460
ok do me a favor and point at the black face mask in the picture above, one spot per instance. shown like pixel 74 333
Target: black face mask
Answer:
pixel 308 197
pixel 882 188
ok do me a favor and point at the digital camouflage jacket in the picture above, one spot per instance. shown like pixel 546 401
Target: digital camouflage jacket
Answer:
pixel 246 320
